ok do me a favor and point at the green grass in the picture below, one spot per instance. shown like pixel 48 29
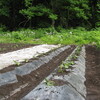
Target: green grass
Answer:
pixel 77 36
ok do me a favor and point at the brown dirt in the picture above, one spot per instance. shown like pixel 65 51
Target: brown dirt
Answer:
pixel 34 78
pixel 93 73
pixel 8 47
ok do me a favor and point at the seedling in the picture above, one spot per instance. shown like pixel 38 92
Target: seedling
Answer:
pixel 78 50
pixel 49 82
pixel 60 70
pixel 68 63
pixel 65 65
pixel 16 62
pixel 26 60
pixel 74 57
pixel 35 57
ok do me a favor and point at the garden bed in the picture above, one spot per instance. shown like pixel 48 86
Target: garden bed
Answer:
pixel 27 81
pixel 65 73
pixel 60 85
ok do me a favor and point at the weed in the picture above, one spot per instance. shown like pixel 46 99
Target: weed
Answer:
pixel 72 36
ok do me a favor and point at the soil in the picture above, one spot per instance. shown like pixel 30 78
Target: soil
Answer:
pixel 92 73
pixel 8 47
pixel 29 82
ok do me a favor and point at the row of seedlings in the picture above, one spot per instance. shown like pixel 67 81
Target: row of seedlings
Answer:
pixel 61 85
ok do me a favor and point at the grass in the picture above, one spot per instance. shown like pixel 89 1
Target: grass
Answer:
pixel 77 36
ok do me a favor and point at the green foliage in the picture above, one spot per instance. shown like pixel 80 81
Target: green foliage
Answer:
pixel 26 60
pixel 49 82
pixel 28 3
pixel 16 62
pixel 98 45
pixel 65 65
pixel 4 8
pixel 53 16
pixel 39 36
pixel 3 28
pixel 64 13
pixel 38 10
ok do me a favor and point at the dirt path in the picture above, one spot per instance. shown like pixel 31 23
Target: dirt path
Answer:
pixel 93 73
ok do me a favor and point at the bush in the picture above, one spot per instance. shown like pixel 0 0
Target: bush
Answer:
pixel 3 28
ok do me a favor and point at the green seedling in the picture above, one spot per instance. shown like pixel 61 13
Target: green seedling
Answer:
pixel 26 60
pixel 75 56
pixel 65 65
pixel 78 50
pixel 69 58
pixel 60 70
pixel 35 57
pixel 49 82
pixel 16 62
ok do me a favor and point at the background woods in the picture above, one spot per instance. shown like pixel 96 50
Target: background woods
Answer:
pixel 46 13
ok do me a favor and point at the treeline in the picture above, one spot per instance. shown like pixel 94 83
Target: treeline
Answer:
pixel 46 13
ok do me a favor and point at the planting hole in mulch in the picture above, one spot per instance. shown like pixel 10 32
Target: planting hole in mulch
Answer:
pixel 92 73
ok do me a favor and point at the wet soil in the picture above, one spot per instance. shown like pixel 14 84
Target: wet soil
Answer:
pixel 92 73
pixel 26 83
pixel 8 47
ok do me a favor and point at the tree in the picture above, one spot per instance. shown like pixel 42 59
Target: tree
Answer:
pixel 95 11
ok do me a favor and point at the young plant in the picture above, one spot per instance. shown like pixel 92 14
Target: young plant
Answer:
pixel 49 82
pixel 60 70
pixel 17 63
pixel 78 50
pixel 26 60
pixel 74 57
pixel 65 65
pixel 68 63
